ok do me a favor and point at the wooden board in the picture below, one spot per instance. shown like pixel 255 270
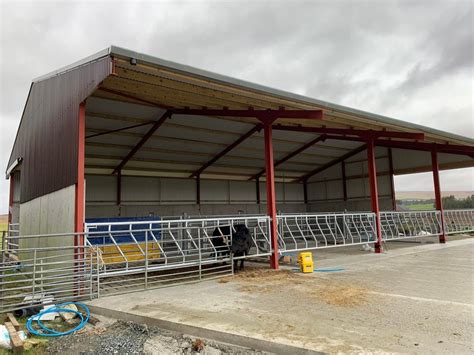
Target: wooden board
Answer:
pixel 16 342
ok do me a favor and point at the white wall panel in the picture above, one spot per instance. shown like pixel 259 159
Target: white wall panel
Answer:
pixel 178 190
pixel 140 188
pixel 334 189
pixel 101 188
pixel 242 191
pixel 214 191
pixel 316 191
pixel 356 188
pixel 294 193
pixel 404 159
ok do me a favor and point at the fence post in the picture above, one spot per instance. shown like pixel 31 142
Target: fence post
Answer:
pixel 42 275
pixel 438 199
pixel 92 274
pixel 372 168
pixel 200 256
pixel 98 272
pixel 146 260
pixel 34 274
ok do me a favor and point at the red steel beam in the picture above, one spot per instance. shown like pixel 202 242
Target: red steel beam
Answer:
pixel 142 141
pixel 437 188
pixel 227 149
pixel 392 182
pixel 374 193
pixel 291 155
pixel 271 197
pixel 332 163
pixel 441 148
pixel 120 129
pixel 260 114
pixel 79 208
pixel 366 134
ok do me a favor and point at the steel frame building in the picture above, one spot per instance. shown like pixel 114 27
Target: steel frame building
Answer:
pixel 121 133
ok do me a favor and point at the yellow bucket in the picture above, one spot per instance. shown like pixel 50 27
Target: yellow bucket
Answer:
pixel 305 259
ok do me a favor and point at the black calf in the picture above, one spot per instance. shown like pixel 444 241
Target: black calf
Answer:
pixel 241 242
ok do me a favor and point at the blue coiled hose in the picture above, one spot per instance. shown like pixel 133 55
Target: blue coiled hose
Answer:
pixel 48 332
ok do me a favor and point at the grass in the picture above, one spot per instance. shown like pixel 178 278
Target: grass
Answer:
pixel 420 207
pixel 3 226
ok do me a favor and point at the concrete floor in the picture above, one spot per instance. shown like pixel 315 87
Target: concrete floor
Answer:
pixel 416 298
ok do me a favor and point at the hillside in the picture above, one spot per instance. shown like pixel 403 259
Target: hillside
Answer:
pixel 426 195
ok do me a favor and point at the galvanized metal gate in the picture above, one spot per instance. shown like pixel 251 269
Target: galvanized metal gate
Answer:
pixel 111 258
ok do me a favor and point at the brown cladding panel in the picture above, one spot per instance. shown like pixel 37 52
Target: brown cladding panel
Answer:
pixel 47 137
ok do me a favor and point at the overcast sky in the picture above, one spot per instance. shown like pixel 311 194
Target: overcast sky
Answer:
pixel 411 60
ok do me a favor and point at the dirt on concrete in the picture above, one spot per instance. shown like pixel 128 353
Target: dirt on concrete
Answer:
pixel 119 337
pixel 319 288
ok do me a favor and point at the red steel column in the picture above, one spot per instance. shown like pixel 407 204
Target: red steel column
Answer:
pixel 374 193
pixel 271 200
pixel 80 196
pixel 437 188
pixel 10 201
pixel 392 183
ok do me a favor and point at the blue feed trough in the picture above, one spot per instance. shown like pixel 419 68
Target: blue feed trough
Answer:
pixel 126 236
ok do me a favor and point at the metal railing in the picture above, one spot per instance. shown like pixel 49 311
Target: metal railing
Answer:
pixel 459 221
pixel 11 243
pixel 45 268
pixel 120 257
pixel 172 242
pixel 411 224
pixel 312 231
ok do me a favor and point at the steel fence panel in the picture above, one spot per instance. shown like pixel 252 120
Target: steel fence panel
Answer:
pixel 459 221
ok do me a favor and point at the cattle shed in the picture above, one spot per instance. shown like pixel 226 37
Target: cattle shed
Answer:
pixel 122 134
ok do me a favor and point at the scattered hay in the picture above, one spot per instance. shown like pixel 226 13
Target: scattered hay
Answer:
pixel 340 295
pixel 263 275
pixel 316 288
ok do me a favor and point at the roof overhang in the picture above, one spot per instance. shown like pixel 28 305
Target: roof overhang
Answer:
pixel 213 131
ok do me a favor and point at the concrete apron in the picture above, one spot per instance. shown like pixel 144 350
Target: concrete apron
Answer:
pixel 204 333
pixel 402 287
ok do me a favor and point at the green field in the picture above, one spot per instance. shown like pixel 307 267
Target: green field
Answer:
pixel 3 226
pixel 420 207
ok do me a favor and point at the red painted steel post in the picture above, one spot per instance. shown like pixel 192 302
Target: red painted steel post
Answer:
pixel 392 182
pixel 80 188
pixel 374 193
pixel 10 201
pixel 271 198
pixel 437 188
